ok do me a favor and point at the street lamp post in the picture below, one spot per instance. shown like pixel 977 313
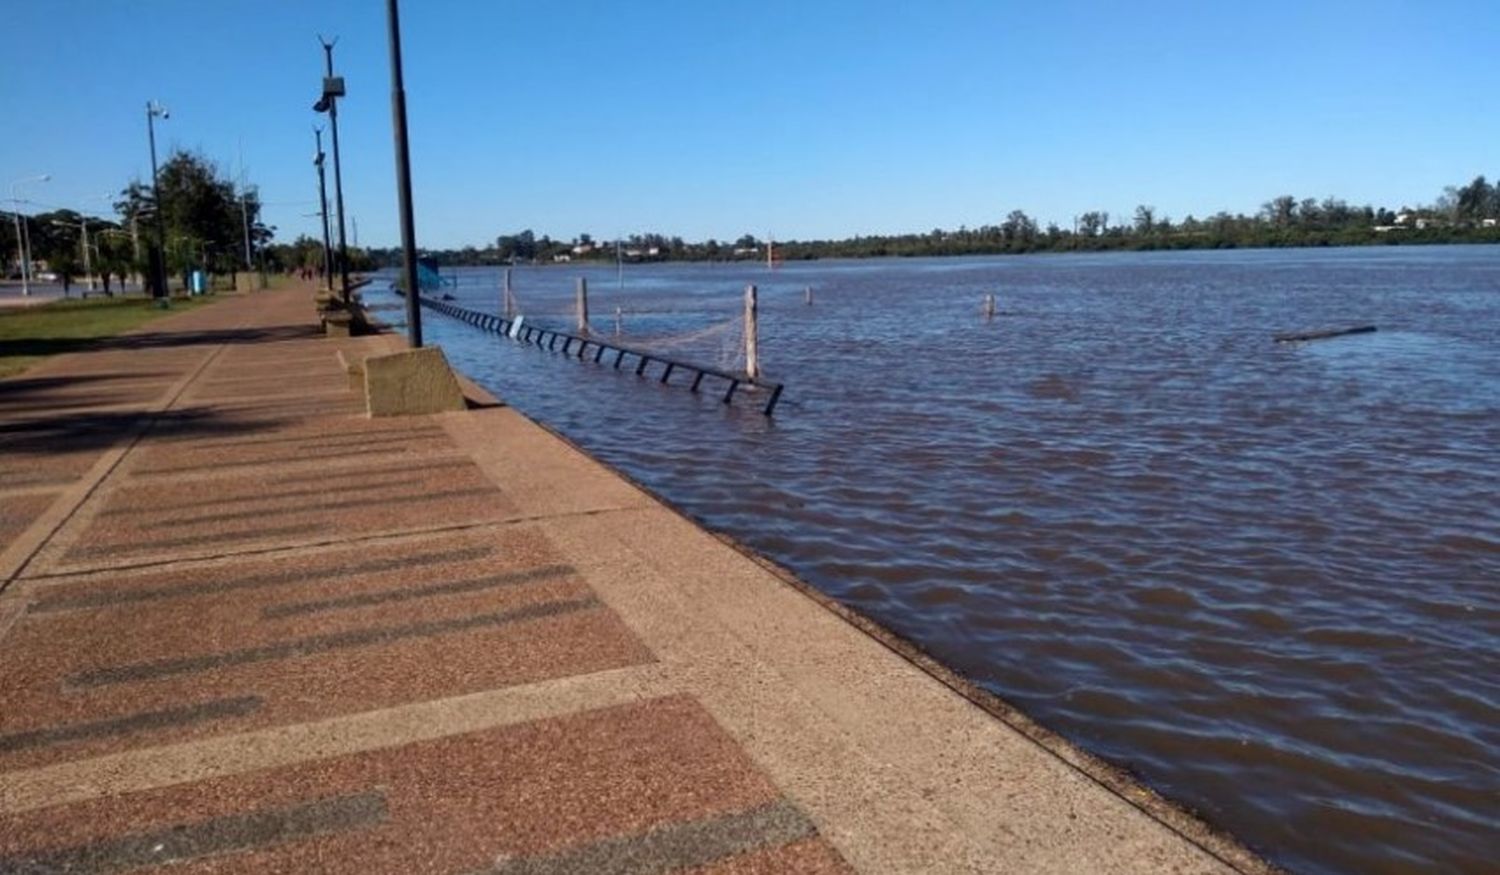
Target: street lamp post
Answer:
pixel 403 179
pixel 323 206
pixel 333 89
pixel 159 267
pixel 245 217
pixel 88 267
pixel 23 244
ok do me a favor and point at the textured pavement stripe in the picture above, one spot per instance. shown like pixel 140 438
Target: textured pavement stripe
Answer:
pixel 352 442
pixel 117 510
pixel 314 437
pixel 409 593
pixel 132 771
pixel 313 644
pixel 340 504
pixel 673 847
pixel 63 600
pixel 306 456
pixel 219 835
pixel 135 548
pixel 449 463
pixel 146 720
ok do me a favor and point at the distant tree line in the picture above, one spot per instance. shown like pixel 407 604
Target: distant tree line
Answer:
pixel 1462 214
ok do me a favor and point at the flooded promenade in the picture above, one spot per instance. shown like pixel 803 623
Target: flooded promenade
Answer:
pixel 1262 576
pixel 245 627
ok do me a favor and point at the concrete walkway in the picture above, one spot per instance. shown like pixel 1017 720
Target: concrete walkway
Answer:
pixel 245 628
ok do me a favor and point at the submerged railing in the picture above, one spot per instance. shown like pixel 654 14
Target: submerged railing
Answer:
pixel 517 329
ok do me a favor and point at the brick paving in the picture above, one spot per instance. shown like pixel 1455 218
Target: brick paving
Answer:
pixel 245 628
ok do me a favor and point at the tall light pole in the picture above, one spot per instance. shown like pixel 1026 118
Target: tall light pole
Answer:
pixel 245 217
pixel 403 179
pixel 88 266
pixel 333 89
pixel 323 206
pixel 155 110
pixel 23 247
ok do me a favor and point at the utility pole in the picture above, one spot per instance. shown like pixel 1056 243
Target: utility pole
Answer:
pixel 21 250
pixel 159 263
pixel 245 218
pixel 88 267
pixel 23 230
pixel 323 202
pixel 403 179
pixel 333 89
pixel 135 243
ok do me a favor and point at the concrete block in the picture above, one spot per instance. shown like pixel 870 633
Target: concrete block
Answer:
pixel 353 366
pixel 413 382
pixel 338 323
pixel 249 281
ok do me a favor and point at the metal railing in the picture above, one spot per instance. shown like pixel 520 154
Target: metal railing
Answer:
pixel 539 336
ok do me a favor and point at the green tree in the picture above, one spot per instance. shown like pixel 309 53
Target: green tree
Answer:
pixel 203 217
pixel 1145 220
pixel 1475 199
pixel 1280 211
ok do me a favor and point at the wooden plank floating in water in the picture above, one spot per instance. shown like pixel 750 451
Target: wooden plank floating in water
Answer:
pixel 547 337
pixel 1320 335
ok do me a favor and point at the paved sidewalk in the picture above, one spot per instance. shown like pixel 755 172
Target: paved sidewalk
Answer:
pixel 247 629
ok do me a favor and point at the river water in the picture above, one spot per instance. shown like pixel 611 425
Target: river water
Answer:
pixel 1263 577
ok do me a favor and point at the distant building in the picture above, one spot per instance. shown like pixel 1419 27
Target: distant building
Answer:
pixel 1489 223
pixel 561 258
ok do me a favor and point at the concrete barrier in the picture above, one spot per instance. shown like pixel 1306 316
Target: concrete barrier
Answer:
pixel 249 281
pixel 413 382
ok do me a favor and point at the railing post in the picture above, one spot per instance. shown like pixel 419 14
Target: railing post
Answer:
pixel 752 351
pixel 583 305
pixel 775 396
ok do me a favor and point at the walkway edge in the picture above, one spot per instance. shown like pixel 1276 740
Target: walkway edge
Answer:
pixel 1190 826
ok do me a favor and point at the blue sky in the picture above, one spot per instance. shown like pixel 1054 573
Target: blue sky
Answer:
pixel 799 119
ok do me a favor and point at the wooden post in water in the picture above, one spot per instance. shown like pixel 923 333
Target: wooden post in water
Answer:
pixel 619 321
pixel 510 297
pixel 989 306
pixel 807 296
pixel 583 305
pixel 752 352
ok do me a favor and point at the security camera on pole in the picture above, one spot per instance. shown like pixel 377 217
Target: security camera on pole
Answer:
pixel 154 111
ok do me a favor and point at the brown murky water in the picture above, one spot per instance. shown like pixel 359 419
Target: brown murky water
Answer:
pixel 1263 577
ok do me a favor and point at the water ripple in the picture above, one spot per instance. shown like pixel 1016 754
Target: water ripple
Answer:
pixel 1261 576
